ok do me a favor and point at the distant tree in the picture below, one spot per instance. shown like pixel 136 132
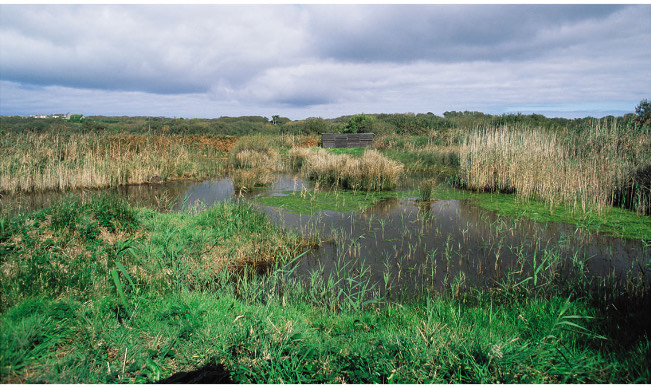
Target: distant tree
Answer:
pixel 274 119
pixel 643 112
pixel 359 123
pixel 316 125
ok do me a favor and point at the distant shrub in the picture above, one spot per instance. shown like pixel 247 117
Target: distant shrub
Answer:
pixel 643 112
pixel 359 123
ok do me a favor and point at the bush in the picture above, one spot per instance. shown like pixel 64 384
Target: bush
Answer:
pixel 643 112
pixel 359 123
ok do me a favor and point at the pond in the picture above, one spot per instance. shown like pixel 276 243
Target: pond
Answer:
pixel 401 244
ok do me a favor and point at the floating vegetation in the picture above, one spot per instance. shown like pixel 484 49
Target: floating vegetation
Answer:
pixel 311 201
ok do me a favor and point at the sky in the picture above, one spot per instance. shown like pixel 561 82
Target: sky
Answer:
pixel 316 60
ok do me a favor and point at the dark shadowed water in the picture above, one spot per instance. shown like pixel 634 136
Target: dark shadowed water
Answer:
pixel 404 243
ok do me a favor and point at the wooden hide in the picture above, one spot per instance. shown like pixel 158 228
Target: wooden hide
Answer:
pixel 353 140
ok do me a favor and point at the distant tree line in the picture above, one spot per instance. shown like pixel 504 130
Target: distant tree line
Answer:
pixel 396 123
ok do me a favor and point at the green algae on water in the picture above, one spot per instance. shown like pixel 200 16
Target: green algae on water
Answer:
pixel 309 202
pixel 614 221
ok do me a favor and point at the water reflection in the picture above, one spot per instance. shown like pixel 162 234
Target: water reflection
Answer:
pixel 407 245
pixel 401 243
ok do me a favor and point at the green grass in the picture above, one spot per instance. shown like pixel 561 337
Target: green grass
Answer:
pixel 440 340
pixel 154 295
pixel 614 221
pixel 356 152
pixel 440 162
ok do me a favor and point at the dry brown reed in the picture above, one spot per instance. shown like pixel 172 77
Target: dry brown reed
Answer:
pixel 254 159
pixel 371 172
pixel 583 171
pixel 38 162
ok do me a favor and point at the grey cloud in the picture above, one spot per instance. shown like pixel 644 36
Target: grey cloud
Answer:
pixel 446 33
pixel 313 60
pixel 160 49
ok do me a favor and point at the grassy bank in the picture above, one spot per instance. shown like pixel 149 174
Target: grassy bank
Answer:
pixel 312 202
pixel 100 292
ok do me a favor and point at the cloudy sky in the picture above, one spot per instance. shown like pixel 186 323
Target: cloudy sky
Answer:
pixel 325 61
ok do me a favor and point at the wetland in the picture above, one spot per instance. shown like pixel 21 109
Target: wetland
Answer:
pixel 266 260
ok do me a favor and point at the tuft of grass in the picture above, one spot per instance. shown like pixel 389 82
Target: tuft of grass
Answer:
pixel 255 161
pixel 370 172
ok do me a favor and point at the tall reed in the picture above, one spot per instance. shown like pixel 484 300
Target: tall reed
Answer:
pixel 254 159
pixel 38 162
pixel 580 170
pixel 371 172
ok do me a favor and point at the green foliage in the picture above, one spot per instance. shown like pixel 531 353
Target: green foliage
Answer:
pixel 31 332
pixel 397 123
pixel 643 112
pixel 278 120
pixel 107 211
pixel 359 123
pixel 415 124
pixel 316 125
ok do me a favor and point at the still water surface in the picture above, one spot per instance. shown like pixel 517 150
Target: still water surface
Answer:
pixel 404 244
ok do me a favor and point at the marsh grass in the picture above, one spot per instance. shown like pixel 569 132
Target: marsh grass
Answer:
pixel 370 172
pixel 584 171
pixel 255 159
pixel 39 162
pixel 72 247
pixel 436 151
pixel 167 293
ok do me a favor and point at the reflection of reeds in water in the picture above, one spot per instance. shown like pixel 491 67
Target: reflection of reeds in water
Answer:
pixel 245 179
pixel 594 170
pixel 37 162
pixel 371 172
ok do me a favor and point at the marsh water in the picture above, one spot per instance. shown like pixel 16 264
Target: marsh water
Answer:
pixel 403 243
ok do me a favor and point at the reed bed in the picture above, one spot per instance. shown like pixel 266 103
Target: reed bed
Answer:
pixel 585 171
pixel 370 172
pixel 39 162
pixel 254 168
pixel 254 160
